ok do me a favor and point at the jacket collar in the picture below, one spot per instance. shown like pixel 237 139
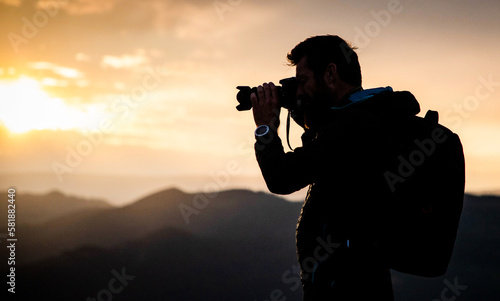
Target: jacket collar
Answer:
pixel 358 95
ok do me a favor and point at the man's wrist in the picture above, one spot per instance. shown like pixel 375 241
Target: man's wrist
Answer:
pixel 261 130
pixel 265 135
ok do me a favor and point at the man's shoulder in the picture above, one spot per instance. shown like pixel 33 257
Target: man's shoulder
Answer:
pixel 372 104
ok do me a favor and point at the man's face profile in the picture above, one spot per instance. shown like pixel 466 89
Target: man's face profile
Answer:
pixel 313 92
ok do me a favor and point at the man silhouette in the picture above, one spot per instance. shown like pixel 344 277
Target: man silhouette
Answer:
pixel 345 145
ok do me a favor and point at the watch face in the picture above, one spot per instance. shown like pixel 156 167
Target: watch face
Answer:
pixel 262 130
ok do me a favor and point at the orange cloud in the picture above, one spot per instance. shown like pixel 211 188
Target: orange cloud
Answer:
pixel 82 7
pixel 11 2
pixel 59 70
pixel 125 61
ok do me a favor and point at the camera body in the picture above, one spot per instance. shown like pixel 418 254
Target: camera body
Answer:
pixel 286 93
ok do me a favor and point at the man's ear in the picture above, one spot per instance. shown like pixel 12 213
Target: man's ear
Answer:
pixel 331 76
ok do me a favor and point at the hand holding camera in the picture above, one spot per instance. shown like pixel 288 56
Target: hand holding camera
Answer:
pixel 286 94
pixel 268 99
pixel 266 107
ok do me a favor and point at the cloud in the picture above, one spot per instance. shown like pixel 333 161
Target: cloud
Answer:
pixel 81 7
pixel 126 61
pixel 82 57
pixel 11 2
pixel 59 70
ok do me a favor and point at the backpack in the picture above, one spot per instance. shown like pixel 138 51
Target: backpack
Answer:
pixel 426 179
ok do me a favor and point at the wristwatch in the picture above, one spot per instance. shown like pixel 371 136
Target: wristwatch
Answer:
pixel 261 130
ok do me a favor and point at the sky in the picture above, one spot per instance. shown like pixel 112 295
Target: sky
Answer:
pixel 142 93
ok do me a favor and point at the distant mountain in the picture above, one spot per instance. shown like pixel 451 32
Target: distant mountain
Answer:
pixel 37 209
pixel 238 246
pixel 169 264
pixel 234 213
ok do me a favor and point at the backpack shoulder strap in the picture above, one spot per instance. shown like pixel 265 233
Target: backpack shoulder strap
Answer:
pixel 432 116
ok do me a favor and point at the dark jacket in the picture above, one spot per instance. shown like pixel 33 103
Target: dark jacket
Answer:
pixel 343 164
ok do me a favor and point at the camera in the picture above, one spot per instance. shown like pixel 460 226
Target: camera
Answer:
pixel 286 94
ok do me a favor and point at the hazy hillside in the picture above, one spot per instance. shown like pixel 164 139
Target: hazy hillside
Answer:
pixel 239 247
pixel 169 265
pixel 235 213
pixel 36 209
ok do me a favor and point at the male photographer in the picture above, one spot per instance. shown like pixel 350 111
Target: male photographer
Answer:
pixel 342 159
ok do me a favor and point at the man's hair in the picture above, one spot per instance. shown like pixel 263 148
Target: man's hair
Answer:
pixel 323 50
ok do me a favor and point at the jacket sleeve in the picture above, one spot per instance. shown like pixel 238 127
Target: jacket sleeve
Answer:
pixel 286 173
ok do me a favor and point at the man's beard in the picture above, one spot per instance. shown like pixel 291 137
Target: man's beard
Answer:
pixel 317 110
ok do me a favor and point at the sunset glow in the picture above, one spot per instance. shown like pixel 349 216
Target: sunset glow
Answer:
pixel 25 106
pixel 147 88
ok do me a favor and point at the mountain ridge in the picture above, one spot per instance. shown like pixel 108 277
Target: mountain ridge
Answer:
pixel 241 245
pixel 34 209
pixel 228 213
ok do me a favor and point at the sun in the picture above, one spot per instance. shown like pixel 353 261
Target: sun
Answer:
pixel 25 106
